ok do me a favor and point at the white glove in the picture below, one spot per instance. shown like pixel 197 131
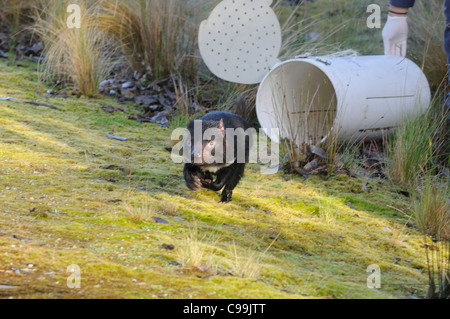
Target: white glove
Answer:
pixel 395 36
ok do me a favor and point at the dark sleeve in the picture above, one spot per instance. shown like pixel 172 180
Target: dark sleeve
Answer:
pixel 403 3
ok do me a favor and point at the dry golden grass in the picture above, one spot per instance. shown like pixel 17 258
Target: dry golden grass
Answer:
pixel 158 37
pixel 196 252
pixel 432 216
pixel 82 56
pixel 432 210
pixel 141 212
pixel 247 265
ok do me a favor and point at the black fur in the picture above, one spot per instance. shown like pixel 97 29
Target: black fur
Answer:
pixel 227 176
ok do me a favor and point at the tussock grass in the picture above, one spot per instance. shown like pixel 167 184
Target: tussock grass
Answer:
pixel 140 212
pixel 245 265
pixel 157 36
pixel 196 252
pixel 83 56
pixel 432 209
pixel 415 144
pixel 432 215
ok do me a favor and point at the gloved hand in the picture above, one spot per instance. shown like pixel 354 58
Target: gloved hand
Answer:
pixel 395 36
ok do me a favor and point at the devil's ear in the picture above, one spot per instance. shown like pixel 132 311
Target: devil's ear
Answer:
pixel 222 127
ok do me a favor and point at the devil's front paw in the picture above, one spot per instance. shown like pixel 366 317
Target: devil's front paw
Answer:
pixel 194 182
pixel 226 196
pixel 206 182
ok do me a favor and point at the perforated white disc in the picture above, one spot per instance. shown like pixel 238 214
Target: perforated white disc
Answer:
pixel 241 40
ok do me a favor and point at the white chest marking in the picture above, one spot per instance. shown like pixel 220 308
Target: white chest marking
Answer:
pixel 214 168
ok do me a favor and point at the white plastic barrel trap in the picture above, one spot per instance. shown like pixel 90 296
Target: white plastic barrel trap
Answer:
pixel 308 99
pixel 353 97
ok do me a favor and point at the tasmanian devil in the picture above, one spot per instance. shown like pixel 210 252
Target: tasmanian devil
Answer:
pixel 219 148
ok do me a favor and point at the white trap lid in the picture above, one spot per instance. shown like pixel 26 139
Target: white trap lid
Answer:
pixel 240 41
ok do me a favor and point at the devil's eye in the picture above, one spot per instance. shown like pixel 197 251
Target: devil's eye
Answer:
pixel 211 143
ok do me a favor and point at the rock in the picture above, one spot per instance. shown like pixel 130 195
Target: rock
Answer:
pixel 155 107
pixel 168 246
pixel 20 51
pixel 103 83
pixel 195 108
pixel 160 117
pixel 314 164
pixel 145 100
pixel 160 220
pixel 136 75
pixel 350 205
pixel 171 95
pixel 128 93
pixel 36 49
pixel 165 102
pixel 318 151
pixel 127 85
pixel 108 108
pixel 295 164
pixel 144 88
pixel 202 268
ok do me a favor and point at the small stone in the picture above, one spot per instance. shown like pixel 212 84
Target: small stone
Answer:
pixel 127 85
pixel 145 100
pixel 168 246
pixel 160 220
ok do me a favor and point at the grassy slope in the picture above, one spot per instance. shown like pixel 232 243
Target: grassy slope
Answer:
pixel 60 205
